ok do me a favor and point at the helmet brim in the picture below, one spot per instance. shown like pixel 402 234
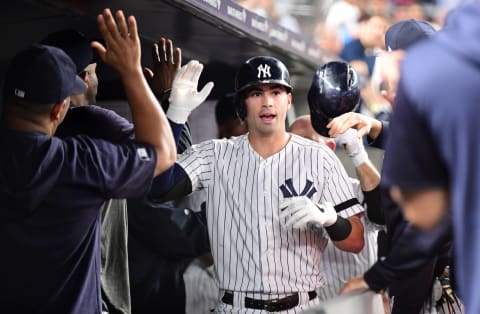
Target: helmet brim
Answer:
pixel 256 83
pixel 319 124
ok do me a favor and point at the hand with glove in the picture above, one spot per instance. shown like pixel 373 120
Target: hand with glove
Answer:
pixel 354 146
pixel 301 212
pixel 184 96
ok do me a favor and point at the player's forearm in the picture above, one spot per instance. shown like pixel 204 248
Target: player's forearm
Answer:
pixel 355 241
pixel 368 176
pixel 369 179
pixel 151 124
pixel 412 250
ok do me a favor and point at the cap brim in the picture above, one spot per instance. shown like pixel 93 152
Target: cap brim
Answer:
pixel 79 87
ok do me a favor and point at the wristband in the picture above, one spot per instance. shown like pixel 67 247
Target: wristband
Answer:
pixel 340 230
pixel 359 158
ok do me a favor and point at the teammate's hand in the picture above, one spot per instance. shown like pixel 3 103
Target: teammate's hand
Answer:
pixel 354 146
pixel 355 284
pixel 166 63
pixel 122 49
pixel 184 96
pixel 365 125
pixel 301 212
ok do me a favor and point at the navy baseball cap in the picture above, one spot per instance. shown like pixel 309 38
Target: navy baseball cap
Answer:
pixel 75 45
pixel 405 33
pixel 42 74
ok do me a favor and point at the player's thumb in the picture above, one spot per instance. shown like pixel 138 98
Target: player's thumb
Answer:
pixel 101 50
pixel 203 94
pixel 148 73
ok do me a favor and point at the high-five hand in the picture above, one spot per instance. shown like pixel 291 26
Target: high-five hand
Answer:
pixel 184 96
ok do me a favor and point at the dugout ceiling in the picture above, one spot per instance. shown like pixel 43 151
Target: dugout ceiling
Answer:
pixel 219 33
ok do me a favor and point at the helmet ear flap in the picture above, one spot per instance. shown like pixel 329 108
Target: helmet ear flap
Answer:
pixel 352 79
pixel 240 108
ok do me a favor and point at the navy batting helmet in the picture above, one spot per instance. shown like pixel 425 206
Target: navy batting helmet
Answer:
pixel 255 71
pixel 334 91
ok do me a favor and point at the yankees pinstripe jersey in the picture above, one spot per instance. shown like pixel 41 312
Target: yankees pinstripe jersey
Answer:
pixel 340 266
pixel 253 250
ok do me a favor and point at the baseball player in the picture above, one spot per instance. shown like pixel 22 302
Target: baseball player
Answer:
pixel 335 90
pixel 274 199
pixel 53 189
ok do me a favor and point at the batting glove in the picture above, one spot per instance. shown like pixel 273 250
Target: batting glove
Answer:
pixel 301 212
pixel 184 96
pixel 353 146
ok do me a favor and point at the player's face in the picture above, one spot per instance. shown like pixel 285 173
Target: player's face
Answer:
pixel 92 82
pixel 267 106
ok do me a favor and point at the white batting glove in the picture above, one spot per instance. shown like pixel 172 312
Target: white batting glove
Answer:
pixel 353 146
pixel 184 96
pixel 301 212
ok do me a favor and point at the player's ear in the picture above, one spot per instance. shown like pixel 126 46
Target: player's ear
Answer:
pixel 57 112
pixel 289 95
pixel 83 75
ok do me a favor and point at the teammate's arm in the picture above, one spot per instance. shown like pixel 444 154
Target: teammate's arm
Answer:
pixel 122 52
pixel 367 174
pixel 174 183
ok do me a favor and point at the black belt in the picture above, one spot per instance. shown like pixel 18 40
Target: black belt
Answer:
pixel 273 305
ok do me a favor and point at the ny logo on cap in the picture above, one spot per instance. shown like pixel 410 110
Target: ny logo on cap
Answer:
pixel 263 71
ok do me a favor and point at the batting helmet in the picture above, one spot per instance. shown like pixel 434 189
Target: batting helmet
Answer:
pixel 255 71
pixel 334 91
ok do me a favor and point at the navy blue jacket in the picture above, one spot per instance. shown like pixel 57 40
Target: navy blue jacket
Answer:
pixel 408 248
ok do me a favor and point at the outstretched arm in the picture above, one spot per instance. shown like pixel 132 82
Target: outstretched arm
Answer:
pixel 184 97
pixel 413 249
pixel 367 174
pixel 122 52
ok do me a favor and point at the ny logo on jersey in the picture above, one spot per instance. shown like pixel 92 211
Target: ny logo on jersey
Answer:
pixel 288 189
pixel 263 71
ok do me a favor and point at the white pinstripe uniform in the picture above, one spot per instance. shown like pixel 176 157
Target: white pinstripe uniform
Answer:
pixel 340 266
pixel 255 255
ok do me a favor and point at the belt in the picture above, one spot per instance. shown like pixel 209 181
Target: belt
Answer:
pixel 273 305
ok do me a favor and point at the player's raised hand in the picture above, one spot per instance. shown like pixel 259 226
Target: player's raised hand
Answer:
pixel 122 49
pixel 301 212
pixel 353 146
pixel 166 63
pixel 184 96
